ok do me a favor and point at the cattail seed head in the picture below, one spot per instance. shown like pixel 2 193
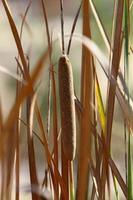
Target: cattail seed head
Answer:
pixel 67 107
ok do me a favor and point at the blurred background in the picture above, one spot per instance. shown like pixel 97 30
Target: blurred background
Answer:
pixel 34 38
pixel 34 41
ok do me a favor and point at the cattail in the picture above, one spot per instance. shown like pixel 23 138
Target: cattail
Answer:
pixel 67 107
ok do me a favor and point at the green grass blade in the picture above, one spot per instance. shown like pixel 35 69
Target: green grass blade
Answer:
pixel 115 187
pixel 71 181
pixel 100 106
pixel 130 193
pixel 127 39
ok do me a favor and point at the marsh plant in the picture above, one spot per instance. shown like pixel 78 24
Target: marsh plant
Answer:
pixel 76 131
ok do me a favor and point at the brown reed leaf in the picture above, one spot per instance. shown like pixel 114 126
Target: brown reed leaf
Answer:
pixel 86 100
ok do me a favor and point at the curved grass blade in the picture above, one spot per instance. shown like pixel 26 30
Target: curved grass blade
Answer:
pixel 100 25
pixel 73 28
pixel 17 38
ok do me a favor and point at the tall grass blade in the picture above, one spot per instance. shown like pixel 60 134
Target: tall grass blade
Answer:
pixel 50 160
pixel 71 181
pixel 73 28
pixel 113 167
pixel 17 129
pixel 111 89
pixel 55 124
pixel 100 25
pixel 118 177
pixel 2 167
pixel 46 24
pixel 127 40
pixel 31 151
pixel 86 100
pixel 115 187
pixel 50 52
pixel 24 18
pixel 62 26
pixel 16 37
pixel 52 78
pixel 1 118
pixel 114 69
pixel 100 106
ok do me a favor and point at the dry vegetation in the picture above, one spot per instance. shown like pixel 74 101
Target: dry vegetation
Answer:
pixel 92 173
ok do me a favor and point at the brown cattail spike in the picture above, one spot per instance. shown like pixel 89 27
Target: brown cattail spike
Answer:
pixel 67 107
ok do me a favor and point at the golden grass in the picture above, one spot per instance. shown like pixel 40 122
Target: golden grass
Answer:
pixel 58 138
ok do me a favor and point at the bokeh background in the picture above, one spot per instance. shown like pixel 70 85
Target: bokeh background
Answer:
pixel 34 35
pixel 34 41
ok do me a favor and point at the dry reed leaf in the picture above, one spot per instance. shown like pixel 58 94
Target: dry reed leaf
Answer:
pixel 118 177
pixel 24 21
pixel 17 162
pixel 98 160
pixel 73 28
pixel 31 100
pixel 8 158
pixel 53 85
pixel 19 67
pixel 1 118
pixel 47 26
pixel 24 92
pixel 8 126
pixel 114 69
pixel 86 100
pixel 20 72
pixel 93 48
pixel 62 26
pixel 16 37
pixel 116 55
pixel 34 132
pixel 50 160
pixel 55 122
pixel 112 165
pixel 3 179
pixel 26 25
pixel 50 53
